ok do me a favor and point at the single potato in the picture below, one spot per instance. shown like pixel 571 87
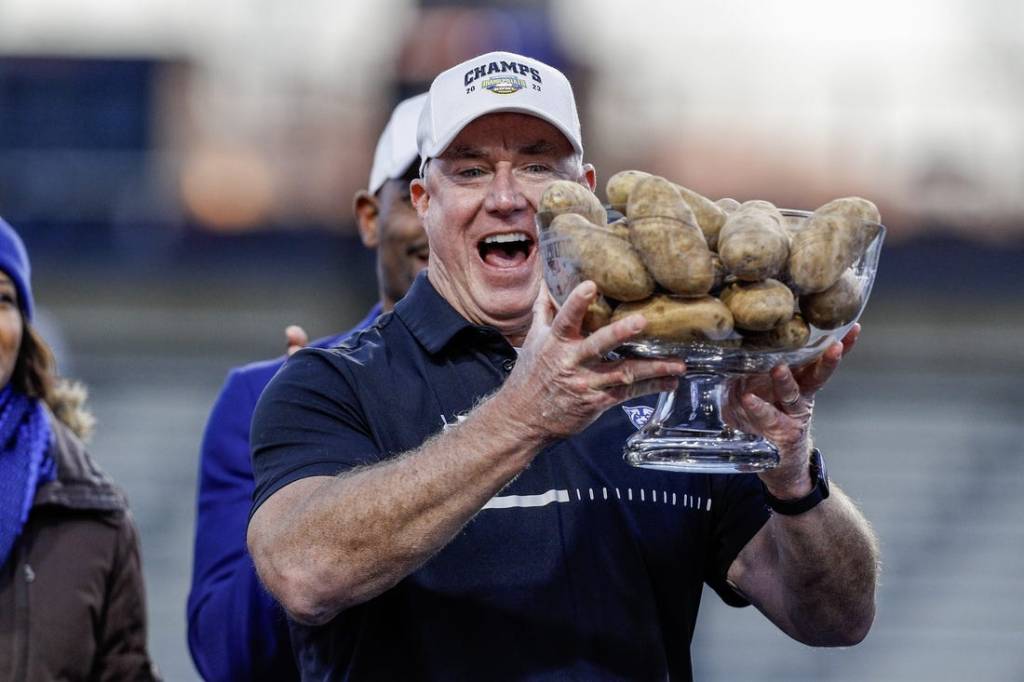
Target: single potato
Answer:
pixel 837 305
pixel 759 306
pixel 792 334
pixel 753 243
pixel 664 231
pixel 826 245
pixel 620 185
pixel 610 261
pixel 566 196
pixel 680 319
pixel 852 207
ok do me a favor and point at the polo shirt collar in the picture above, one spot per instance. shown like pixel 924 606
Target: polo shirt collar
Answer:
pixel 430 318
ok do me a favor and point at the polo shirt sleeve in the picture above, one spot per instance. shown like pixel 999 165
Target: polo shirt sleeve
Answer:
pixel 735 522
pixel 307 423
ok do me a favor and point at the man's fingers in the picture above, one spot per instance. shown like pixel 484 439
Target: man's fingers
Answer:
pixel 787 391
pixel 544 307
pixel 813 376
pixel 762 415
pixel 621 394
pixel 626 372
pixel 851 338
pixel 610 337
pixel 818 374
pixel 295 338
pixel 566 324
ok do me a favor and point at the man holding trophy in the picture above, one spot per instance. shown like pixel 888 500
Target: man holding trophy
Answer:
pixel 444 495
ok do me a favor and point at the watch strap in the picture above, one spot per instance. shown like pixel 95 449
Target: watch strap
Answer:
pixel 809 501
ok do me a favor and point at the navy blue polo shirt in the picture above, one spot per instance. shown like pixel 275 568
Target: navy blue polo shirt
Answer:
pixel 582 568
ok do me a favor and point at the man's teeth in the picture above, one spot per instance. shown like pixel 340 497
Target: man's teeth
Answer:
pixel 507 238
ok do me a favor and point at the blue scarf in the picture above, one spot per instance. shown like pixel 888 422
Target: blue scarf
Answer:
pixel 24 465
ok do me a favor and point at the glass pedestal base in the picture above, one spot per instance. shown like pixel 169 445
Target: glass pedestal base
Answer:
pixel 686 433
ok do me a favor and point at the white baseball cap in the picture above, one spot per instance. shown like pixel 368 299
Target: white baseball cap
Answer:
pixel 491 83
pixel 396 148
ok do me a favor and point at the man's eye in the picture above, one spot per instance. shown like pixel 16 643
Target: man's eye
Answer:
pixel 538 168
pixel 7 299
pixel 471 172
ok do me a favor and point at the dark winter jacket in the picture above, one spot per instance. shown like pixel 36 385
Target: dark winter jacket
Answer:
pixel 72 605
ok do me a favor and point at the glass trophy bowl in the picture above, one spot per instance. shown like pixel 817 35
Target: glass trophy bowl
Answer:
pixel 686 431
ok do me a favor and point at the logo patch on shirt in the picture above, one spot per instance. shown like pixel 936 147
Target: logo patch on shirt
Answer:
pixel 639 415
pixel 458 419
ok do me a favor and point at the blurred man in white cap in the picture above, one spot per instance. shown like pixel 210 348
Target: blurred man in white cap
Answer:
pixel 235 629
pixel 444 497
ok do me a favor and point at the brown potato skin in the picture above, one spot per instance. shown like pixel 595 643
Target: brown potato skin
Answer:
pixel 836 306
pixel 620 185
pixel 728 204
pixel 719 280
pixel 610 261
pixel 566 196
pixel 759 306
pixel 599 314
pixel 656 197
pixel 753 243
pixel 830 241
pixel 710 216
pixel 792 334
pixel 621 228
pixel 760 204
pixel 852 207
pixel 672 319
pixel 824 248
pixel 664 231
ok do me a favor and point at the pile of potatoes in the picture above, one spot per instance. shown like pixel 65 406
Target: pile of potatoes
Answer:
pixel 712 271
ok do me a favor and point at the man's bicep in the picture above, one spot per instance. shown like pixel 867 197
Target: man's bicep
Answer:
pixel 308 423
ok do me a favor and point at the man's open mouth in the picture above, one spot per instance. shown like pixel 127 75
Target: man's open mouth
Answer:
pixel 505 250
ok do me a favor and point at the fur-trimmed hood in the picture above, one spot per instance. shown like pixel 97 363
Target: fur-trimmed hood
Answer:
pixel 80 483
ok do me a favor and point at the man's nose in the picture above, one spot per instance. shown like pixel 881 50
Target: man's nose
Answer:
pixel 504 195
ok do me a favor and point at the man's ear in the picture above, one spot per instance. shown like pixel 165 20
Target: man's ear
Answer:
pixel 366 210
pixel 590 175
pixel 419 196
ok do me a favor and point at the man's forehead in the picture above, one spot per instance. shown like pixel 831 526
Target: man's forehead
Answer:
pixel 517 132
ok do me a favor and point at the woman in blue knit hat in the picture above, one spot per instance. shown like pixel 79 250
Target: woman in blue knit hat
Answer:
pixel 72 605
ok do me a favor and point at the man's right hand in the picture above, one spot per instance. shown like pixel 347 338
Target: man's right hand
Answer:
pixel 563 382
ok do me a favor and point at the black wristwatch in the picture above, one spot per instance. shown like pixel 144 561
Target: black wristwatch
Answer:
pixel 811 499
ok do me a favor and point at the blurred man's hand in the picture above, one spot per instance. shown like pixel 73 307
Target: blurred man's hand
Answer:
pixel 296 338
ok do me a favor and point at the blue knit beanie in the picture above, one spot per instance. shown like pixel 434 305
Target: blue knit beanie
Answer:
pixel 14 261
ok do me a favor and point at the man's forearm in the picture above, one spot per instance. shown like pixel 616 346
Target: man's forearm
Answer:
pixel 358 534
pixel 826 565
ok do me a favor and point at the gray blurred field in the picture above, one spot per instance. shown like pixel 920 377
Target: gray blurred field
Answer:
pixel 922 428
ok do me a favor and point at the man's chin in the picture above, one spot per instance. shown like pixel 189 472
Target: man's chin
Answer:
pixel 510 304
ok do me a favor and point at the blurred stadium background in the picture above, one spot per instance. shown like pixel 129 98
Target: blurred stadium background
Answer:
pixel 182 173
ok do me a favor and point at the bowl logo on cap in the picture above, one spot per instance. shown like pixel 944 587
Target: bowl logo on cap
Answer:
pixel 503 85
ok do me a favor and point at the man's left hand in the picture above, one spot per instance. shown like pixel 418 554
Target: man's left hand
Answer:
pixel 778 406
